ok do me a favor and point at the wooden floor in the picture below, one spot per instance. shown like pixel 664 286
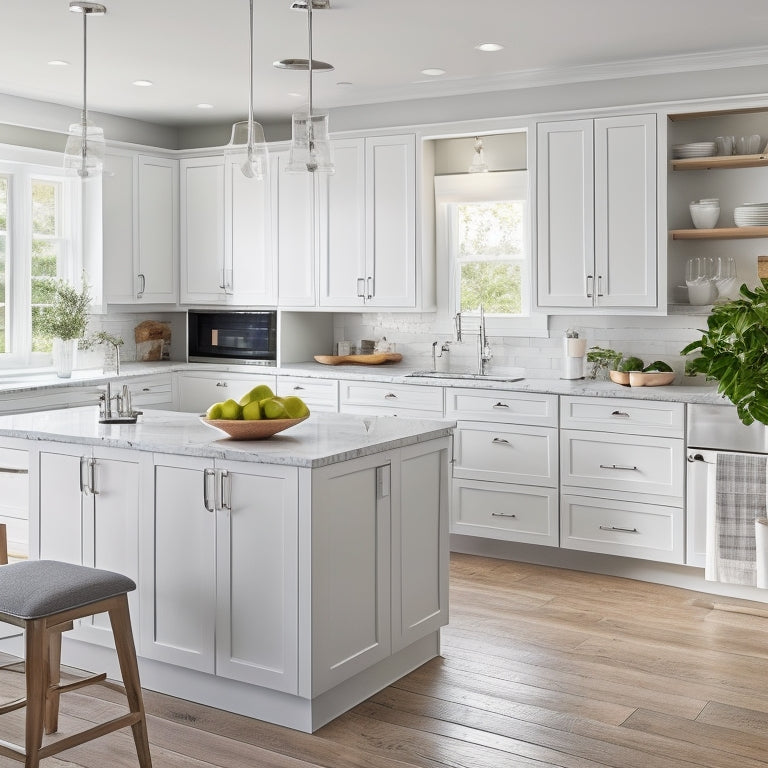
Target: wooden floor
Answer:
pixel 541 667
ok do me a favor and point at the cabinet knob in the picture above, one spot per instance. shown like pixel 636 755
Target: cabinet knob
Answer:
pixel 390 396
pixel 501 405
pixel 221 384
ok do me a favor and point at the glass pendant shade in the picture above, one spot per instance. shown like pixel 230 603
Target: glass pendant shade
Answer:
pixel 478 161
pixel 310 144
pixel 248 139
pixel 84 151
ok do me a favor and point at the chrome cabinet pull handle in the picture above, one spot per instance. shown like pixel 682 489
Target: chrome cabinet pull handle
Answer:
pixel 501 441
pixel 620 413
pixel 618 466
pixel 225 490
pixel 145 389
pixel 370 287
pixel 13 471
pixel 83 485
pixel 390 396
pixel 618 528
pixel 500 405
pixel 92 477
pixel 207 474
pixel 361 287
pixel 298 388
pixel 590 291
pixel 599 286
pixel 501 514
pixel 140 292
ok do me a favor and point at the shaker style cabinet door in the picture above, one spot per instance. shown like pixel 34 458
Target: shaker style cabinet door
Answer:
pixel 119 225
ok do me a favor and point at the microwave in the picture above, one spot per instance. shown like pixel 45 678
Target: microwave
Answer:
pixel 236 337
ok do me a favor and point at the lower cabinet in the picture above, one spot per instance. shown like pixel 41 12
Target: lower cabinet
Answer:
pixel 197 391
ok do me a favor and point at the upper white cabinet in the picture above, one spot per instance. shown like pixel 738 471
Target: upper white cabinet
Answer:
pixel 225 234
pixel 140 224
pixel 596 213
pixel 368 225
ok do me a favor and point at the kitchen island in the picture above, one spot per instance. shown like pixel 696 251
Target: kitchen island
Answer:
pixel 285 579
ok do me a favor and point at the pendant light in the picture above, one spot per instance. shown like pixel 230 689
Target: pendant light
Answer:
pixel 249 133
pixel 310 145
pixel 478 161
pixel 84 151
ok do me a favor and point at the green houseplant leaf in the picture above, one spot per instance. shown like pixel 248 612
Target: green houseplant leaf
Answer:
pixel 734 352
pixel 67 315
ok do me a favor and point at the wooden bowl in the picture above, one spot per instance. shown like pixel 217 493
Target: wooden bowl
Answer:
pixel 620 377
pixel 651 379
pixel 255 429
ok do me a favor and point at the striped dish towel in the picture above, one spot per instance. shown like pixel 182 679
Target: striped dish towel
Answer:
pixel 736 496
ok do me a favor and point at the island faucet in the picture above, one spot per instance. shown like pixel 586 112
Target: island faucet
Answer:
pixel 484 353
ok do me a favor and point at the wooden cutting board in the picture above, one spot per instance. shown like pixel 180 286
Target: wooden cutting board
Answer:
pixel 376 359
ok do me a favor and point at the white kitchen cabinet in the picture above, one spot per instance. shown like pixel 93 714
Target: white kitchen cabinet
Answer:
pixel 596 213
pixel 196 391
pixel 369 224
pixel 415 400
pixel 320 395
pixel 152 391
pixel 14 497
pixel 226 254
pixel 140 228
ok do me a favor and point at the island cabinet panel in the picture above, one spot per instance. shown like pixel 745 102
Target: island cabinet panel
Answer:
pixel 14 497
pixel 89 501
pixel 351 505
pixel 257 574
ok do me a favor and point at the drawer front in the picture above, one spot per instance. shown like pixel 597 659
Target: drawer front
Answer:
pixel 629 529
pixel 654 465
pixel 633 417
pixel 155 391
pixel 196 393
pixel 320 395
pixel 505 511
pixel 500 406
pixel 505 453
pixel 400 397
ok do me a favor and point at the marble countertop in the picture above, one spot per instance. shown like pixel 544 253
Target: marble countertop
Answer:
pixel 320 440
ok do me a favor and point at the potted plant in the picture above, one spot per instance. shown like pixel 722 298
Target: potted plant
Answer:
pixel 65 321
pixel 734 352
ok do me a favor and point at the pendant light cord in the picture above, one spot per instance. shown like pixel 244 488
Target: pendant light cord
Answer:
pixel 84 116
pixel 250 86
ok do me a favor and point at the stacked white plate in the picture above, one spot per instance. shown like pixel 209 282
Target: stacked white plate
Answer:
pixel 694 149
pixel 751 215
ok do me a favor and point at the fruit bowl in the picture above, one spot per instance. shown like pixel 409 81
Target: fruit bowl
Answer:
pixel 619 377
pixel 651 378
pixel 254 429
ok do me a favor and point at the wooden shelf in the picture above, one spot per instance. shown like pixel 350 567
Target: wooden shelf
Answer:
pixel 721 233
pixel 689 309
pixel 721 161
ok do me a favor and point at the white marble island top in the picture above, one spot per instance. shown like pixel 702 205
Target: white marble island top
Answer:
pixel 320 440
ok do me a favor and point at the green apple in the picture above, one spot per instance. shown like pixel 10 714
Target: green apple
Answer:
pixel 258 393
pixel 231 410
pixel 274 408
pixel 214 412
pixel 295 407
pixel 252 411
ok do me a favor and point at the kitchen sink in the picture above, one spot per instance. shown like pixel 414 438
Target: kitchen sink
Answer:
pixel 469 376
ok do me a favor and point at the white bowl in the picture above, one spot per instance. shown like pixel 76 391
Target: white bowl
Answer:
pixel 704 216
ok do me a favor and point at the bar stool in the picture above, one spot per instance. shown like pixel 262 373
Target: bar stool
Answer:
pixel 44 597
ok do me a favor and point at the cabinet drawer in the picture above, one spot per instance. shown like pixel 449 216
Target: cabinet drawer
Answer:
pixel 362 396
pixel 155 391
pixel 196 392
pixel 633 417
pixel 500 406
pixel 318 394
pixel 640 464
pixel 648 531
pixel 506 453
pixel 504 511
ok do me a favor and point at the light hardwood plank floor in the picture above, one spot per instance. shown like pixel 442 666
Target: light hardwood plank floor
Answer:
pixel 540 668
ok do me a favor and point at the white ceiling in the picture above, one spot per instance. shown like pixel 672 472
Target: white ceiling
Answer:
pixel 197 50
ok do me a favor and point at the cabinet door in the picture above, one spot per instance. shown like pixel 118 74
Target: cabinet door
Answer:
pixel 60 496
pixel 250 269
pixel 14 499
pixel 565 214
pixel 350 569
pixel 390 195
pixel 197 392
pixel 202 229
pixel 625 211
pixel 178 565
pixel 343 266
pixel 257 575
pixel 294 223
pixel 158 230
pixel 119 192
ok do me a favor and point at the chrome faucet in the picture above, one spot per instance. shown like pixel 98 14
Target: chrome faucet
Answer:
pixel 484 353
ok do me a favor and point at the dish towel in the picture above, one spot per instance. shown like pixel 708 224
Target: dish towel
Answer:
pixel 736 497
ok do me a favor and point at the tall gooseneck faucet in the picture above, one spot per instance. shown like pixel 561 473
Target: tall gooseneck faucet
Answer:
pixel 484 353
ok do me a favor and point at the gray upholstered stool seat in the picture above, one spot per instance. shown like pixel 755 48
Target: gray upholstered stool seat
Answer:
pixel 38 588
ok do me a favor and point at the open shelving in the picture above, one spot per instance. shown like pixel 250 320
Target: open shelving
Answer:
pixel 720 161
pixel 720 233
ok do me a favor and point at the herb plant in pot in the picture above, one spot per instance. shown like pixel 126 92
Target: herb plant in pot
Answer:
pixel 65 321
pixel 734 352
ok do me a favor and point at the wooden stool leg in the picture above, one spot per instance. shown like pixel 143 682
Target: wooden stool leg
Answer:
pixel 54 678
pixel 37 681
pixel 120 620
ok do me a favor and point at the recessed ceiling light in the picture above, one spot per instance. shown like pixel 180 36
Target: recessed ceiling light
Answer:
pixel 143 83
pixel 433 72
pixel 488 47
pixel 58 63
pixel 205 106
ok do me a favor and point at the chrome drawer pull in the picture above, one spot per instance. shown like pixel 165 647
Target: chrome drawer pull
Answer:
pixel 221 384
pixel 616 528
pixel 297 388
pixel 12 471
pixel 390 396
pixel 501 514
pixel 501 405
pixel 620 413
pixel 501 441
pixel 618 466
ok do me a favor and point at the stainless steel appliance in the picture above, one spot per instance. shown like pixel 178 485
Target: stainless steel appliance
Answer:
pixel 712 429
pixel 238 337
